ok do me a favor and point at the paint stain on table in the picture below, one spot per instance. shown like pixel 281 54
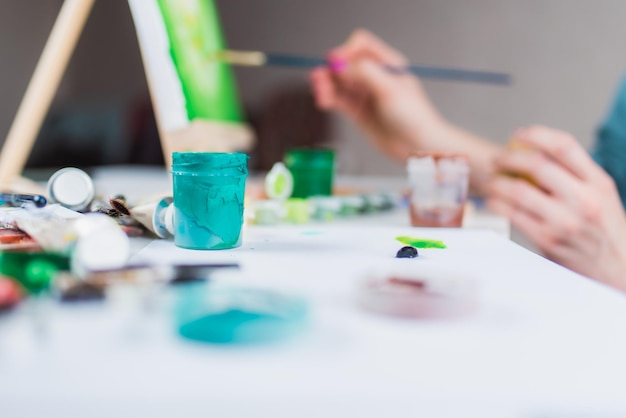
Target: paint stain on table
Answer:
pixel 421 242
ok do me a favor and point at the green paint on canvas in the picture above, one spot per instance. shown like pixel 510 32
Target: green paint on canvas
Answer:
pixel 194 32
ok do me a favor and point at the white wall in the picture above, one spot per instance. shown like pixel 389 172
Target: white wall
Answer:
pixel 24 27
pixel 106 66
pixel 566 56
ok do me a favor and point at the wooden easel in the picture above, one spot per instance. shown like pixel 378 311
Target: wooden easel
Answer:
pixel 42 88
pixel 45 82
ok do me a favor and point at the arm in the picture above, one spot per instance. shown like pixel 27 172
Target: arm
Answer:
pixel 393 110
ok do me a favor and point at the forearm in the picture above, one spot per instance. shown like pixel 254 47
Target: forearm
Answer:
pixel 445 137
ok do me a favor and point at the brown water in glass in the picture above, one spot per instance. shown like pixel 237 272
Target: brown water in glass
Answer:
pixel 436 217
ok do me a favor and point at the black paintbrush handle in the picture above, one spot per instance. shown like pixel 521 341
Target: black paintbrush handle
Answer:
pixel 283 60
pixel 454 74
pixel 426 72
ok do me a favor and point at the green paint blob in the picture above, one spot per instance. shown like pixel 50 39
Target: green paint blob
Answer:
pixel 421 242
pixel 194 32
pixel 208 199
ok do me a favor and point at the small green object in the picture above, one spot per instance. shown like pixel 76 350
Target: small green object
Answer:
pixel 279 182
pixel 297 211
pixel 421 242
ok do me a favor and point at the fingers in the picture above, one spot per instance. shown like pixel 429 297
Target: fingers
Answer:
pixel 562 147
pixel 545 172
pixel 531 227
pixel 324 89
pixel 363 44
pixel 368 73
pixel 553 242
pixel 342 87
pixel 333 93
pixel 562 246
pixel 525 198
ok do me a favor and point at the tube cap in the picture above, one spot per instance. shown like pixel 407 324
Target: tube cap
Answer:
pixel 100 245
pixel 279 182
pixel 71 187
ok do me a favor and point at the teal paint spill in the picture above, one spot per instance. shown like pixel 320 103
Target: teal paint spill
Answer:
pixel 236 326
pixel 237 315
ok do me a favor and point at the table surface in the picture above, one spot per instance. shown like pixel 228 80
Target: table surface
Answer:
pixel 545 342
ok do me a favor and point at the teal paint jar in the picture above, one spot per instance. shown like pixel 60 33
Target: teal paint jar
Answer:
pixel 312 170
pixel 208 199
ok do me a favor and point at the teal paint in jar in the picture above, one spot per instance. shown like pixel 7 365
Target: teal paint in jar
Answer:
pixel 208 199
pixel 312 170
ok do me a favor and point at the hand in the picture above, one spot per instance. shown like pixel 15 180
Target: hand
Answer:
pixel 570 209
pixel 392 109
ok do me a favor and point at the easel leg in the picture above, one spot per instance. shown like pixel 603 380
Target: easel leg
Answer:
pixel 42 87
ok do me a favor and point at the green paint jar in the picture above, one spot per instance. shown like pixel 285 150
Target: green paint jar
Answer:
pixel 208 199
pixel 312 170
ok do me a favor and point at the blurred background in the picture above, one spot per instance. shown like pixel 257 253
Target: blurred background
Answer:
pixel 566 57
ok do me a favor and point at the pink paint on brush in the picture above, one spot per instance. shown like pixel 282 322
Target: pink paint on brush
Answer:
pixel 337 65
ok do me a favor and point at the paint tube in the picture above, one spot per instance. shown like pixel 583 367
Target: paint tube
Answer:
pixel 157 217
pixel 93 241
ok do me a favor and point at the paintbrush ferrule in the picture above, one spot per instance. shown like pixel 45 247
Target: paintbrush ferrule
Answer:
pixel 247 58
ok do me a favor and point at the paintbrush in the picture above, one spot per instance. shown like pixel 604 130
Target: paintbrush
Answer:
pixel 257 58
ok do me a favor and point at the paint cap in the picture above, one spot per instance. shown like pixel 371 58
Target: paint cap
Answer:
pixel 71 187
pixel 325 208
pixel 100 244
pixel 409 293
pixel 279 182
pixel 267 212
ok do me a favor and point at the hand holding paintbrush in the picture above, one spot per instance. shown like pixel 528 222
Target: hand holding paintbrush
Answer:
pixel 393 110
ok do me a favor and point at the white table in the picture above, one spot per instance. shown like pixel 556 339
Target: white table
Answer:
pixel 544 343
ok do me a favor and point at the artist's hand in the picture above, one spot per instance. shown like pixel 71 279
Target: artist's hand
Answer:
pixel 570 209
pixel 392 109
